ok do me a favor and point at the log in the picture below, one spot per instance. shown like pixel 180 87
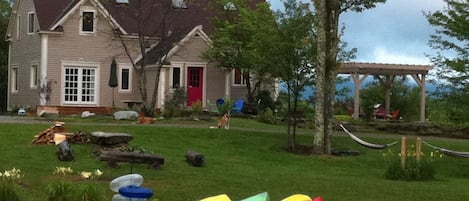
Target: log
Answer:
pixel 195 159
pixel 154 160
pixel 64 152
pixel 108 139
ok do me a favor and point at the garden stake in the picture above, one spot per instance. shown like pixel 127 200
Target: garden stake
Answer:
pixel 418 148
pixel 403 152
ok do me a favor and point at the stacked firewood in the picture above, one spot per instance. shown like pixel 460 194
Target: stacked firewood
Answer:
pixel 47 136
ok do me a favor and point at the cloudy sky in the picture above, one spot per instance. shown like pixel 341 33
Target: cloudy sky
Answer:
pixel 394 32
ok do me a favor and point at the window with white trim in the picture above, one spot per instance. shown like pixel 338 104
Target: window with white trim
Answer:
pixel 125 78
pixel 88 22
pixel 176 78
pixel 31 20
pixel 34 75
pixel 238 78
pixel 14 79
pixel 80 85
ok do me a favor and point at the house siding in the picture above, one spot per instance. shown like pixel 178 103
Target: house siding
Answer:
pixel 98 48
pixel 191 54
pixel 27 49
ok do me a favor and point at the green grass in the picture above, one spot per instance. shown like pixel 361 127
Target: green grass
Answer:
pixel 238 162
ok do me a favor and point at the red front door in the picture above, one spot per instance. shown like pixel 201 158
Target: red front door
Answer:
pixel 194 84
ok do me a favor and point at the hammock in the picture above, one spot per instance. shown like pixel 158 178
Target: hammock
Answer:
pixel 364 143
pixel 449 152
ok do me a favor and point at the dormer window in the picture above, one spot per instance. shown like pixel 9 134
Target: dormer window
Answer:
pixel 88 22
pixel 31 20
pixel 179 4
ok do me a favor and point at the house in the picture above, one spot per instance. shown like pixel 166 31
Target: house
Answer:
pixel 60 52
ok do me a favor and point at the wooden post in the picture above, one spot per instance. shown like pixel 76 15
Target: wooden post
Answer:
pixel 403 152
pixel 418 149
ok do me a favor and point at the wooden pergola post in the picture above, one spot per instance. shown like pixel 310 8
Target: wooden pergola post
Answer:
pixel 356 96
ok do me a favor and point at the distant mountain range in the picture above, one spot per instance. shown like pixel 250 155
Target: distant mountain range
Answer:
pixel 309 91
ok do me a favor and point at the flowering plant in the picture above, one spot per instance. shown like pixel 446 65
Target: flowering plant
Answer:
pixel 63 170
pixel 413 166
pixel 12 175
pixel 83 174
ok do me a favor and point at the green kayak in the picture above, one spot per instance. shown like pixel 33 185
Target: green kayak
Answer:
pixel 259 197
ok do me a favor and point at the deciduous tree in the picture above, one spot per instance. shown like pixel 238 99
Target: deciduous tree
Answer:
pixel 451 40
pixel 327 24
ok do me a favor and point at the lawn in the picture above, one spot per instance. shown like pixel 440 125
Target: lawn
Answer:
pixel 239 162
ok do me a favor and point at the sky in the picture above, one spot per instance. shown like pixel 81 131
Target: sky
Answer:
pixel 396 32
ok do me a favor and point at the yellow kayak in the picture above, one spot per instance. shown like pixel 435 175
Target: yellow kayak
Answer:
pixel 297 197
pixel 222 197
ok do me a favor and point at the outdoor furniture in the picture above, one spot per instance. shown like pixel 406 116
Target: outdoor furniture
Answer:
pixel 393 115
pixel 238 106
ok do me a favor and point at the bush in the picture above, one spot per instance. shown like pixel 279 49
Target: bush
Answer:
pixel 197 107
pixel 59 191
pixel 8 191
pixel 173 107
pixel 414 170
pixel 67 191
pixel 266 116
pixel 226 107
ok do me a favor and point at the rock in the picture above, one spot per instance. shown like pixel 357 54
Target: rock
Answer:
pixel 107 139
pixel 87 114
pixel 125 115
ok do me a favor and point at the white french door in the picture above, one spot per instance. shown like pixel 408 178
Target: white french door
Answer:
pixel 80 85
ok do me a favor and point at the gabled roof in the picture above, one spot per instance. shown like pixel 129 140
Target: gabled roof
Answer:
pixel 168 46
pixel 177 22
pixel 50 11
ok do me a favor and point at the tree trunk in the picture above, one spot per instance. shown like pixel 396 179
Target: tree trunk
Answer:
pixel 328 14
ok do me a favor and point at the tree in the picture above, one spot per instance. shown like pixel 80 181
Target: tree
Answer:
pixel 235 40
pixel 5 9
pixel 290 49
pixel 451 40
pixel 327 24
pixel 151 28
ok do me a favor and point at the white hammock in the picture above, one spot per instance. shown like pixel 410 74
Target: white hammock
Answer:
pixel 364 143
pixel 449 152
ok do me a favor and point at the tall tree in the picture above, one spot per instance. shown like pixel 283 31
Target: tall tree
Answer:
pixel 5 9
pixel 327 24
pixel 150 28
pixel 234 40
pixel 451 40
pixel 290 49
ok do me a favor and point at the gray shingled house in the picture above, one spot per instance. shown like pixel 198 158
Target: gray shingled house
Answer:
pixel 66 47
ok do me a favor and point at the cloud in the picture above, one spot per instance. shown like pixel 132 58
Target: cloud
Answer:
pixel 383 55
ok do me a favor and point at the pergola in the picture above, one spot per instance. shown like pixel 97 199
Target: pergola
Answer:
pixel 360 71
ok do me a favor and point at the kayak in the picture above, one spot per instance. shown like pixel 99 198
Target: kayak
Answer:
pixel 259 197
pixel 297 197
pixel 222 197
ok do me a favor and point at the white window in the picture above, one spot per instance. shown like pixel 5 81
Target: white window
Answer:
pixel 14 80
pixel 80 85
pixel 125 79
pixel 238 78
pixel 18 27
pixel 176 78
pixel 31 20
pixel 34 76
pixel 88 22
